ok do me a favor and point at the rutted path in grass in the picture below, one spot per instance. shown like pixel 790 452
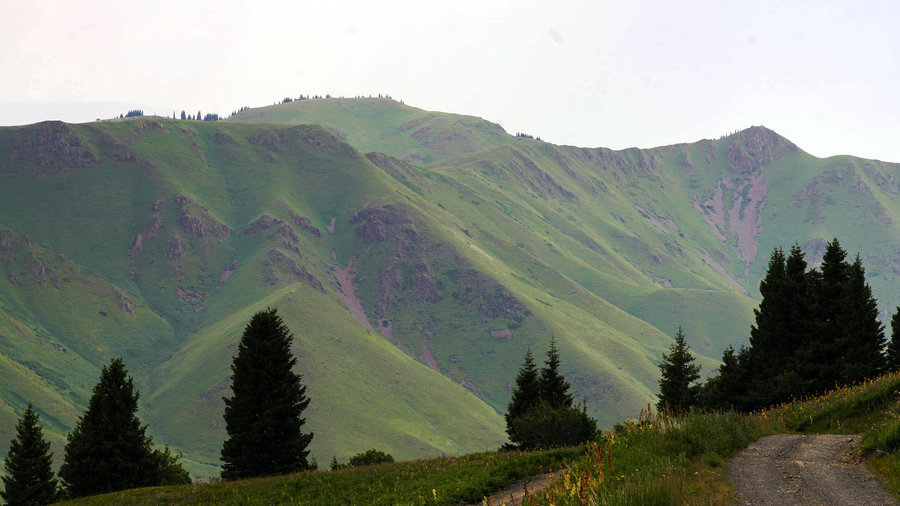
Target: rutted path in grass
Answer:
pixel 514 495
pixel 804 470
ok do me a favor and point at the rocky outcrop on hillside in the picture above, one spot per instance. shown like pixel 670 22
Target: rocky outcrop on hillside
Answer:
pixel 49 145
pixel 278 267
pixel 754 148
pixel 196 221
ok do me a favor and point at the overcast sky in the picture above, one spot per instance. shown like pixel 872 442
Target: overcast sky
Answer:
pixel 825 74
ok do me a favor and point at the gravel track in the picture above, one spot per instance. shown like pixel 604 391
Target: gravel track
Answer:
pixel 804 470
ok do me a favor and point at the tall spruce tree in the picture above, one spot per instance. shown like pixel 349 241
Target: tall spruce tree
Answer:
pixel 728 389
pixel 862 335
pixel 823 355
pixel 29 476
pixel 263 415
pixel 767 331
pixel 678 374
pixel 525 396
pixel 109 448
pixel 554 387
pixel 892 354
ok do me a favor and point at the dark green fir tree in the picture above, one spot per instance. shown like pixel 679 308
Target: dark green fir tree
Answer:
pixel 862 335
pixel 678 390
pixel 728 390
pixel 29 476
pixel 109 448
pixel 822 356
pixel 892 355
pixel 541 414
pixel 263 417
pixel 526 394
pixel 554 387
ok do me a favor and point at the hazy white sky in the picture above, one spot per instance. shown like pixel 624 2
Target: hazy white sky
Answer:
pixel 825 74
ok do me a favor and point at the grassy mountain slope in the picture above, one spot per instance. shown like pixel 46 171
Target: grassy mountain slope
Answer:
pixel 414 276
pixel 156 241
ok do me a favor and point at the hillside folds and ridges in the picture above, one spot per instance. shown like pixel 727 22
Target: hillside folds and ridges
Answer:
pixel 416 256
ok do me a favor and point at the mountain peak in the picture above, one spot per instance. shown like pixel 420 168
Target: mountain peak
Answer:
pixel 755 147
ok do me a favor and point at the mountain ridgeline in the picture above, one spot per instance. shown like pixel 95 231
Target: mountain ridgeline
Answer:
pixel 415 255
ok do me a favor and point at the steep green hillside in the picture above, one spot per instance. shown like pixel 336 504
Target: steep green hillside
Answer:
pixel 414 276
pixel 156 241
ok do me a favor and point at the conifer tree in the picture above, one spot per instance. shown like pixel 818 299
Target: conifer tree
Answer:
pixel 526 394
pixel 554 387
pixel 540 414
pixel 263 415
pixel 728 389
pixel 822 355
pixel 109 448
pixel 770 325
pixel 28 465
pixel 862 335
pixel 678 372
pixel 892 354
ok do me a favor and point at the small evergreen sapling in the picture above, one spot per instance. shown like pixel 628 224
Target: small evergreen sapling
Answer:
pixel 678 374
pixel 28 465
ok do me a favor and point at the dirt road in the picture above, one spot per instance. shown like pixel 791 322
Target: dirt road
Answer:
pixel 514 495
pixel 809 470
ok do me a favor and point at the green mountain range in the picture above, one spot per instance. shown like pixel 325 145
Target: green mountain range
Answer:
pixel 415 255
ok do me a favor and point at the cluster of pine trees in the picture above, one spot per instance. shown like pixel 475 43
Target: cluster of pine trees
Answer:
pixel 541 414
pixel 814 330
pixel 109 448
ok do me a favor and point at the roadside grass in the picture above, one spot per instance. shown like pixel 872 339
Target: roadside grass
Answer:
pixel 657 459
pixel 447 480
pixel 851 409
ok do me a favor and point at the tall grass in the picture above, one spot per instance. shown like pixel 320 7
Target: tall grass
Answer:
pixel 855 408
pixel 658 459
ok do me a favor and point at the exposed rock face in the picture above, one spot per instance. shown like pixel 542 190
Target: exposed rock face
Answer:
pixel 262 223
pixel 17 257
pixel 223 138
pixel 195 221
pixel 152 227
pixel 490 298
pixel 174 248
pixel 137 245
pixel 304 223
pixel 377 224
pixel 278 266
pixel 50 145
pixel 756 147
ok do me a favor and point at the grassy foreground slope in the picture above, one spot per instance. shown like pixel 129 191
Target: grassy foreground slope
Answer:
pixel 656 459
